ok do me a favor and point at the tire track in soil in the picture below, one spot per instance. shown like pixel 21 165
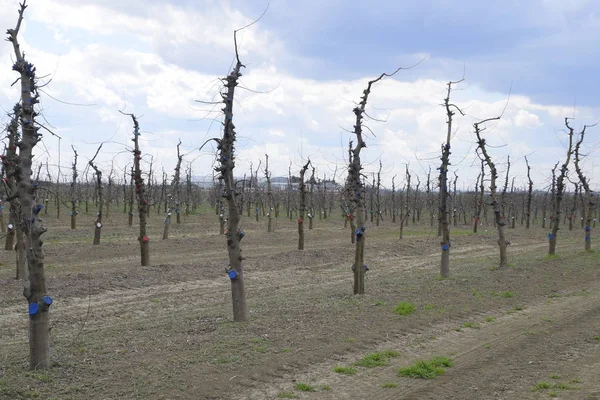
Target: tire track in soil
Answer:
pixel 113 302
pixel 502 360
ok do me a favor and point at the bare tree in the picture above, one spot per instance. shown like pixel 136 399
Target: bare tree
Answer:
pixel 588 204
pixel 174 196
pixel 99 191
pixel 354 173
pixel 302 208
pixel 529 194
pixel 559 193
pixel 30 223
pixel 74 191
pixel 269 195
pixel 444 186
pixel 140 191
pixel 405 211
pixel 500 223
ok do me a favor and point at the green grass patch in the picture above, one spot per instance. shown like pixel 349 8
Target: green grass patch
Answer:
pixel 325 387
pixel 508 295
pixel 305 387
pixel 596 337
pixel 389 385
pixel 404 308
pixel 344 370
pixel 542 385
pixel 490 319
pixel 427 369
pixel 376 359
pixel 429 306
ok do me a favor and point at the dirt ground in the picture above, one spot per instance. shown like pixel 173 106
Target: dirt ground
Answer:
pixel 121 331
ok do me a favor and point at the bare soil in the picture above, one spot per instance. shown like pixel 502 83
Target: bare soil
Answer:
pixel 121 331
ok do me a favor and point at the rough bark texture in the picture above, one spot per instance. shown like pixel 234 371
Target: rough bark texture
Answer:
pixel 10 162
pixel 74 192
pixel 302 209
pixel 529 195
pixel 559 192
pixel 354 173
pixel 30 223
pixel 588 204
pixel 140 191
pixel 404 214
pixel 99 192
pixel 234 234
pixel 500 223
pixel 443 183
pixel 479 197
pixel 269 195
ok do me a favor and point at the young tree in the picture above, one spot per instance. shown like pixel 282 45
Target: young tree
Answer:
pixel 99 191
pixel 559 192
pixel 500 223
pixel 311 207
pixel 443 183
pixel 74 191
pixel 479 197
pixel 30 223
pixel 269 195
pixel 529 194
pixel 405 211
pixel 140 191
pixel 10 162
pixel 359 267
pixel 302 192
pixel 588 204
pixel 174 196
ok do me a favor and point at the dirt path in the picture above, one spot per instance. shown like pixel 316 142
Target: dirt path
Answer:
pixel 549 342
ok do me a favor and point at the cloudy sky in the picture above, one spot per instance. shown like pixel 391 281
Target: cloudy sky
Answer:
pixel 307 62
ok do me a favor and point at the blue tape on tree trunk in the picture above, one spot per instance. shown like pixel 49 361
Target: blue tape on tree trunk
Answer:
pixel 34 308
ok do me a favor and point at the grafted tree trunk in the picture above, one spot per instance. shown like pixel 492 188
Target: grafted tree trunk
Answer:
pixel 174 196
pixel 30 223
pixel 269 196
pixel 302 209
pixel 140 191
pixel 500 222
pixel 311 208
pixel 99 191
pixel 529 194
pixel 10 163
pixel 479 197
pixel 234 234
pixel 588 203
pixel 443 183
pixel 355 166
pixel 558 195
pixel 406 206
pixel 74 192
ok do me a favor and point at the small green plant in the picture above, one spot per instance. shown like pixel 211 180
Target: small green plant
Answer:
pixel 508 294
pixel 490 319
pixel 261 349
pixel 542 385
pixel 350 340
pixel 325 387
pixel 380 303
pixel 429 306
pixel 286 350
pixel 575 380
pixel 519 308
pixel 468 325
pixel 562 385
pixel 286 395
pixel 304 387
pixel 552 394
pixel 427 369
pixel 404 308
pixel 596 337
pixel 554 376
pixel 344 370
pixel 487 346
pixel 376 359
pixel 389 385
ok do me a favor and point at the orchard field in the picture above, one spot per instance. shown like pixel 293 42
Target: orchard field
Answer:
pixel 122 331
